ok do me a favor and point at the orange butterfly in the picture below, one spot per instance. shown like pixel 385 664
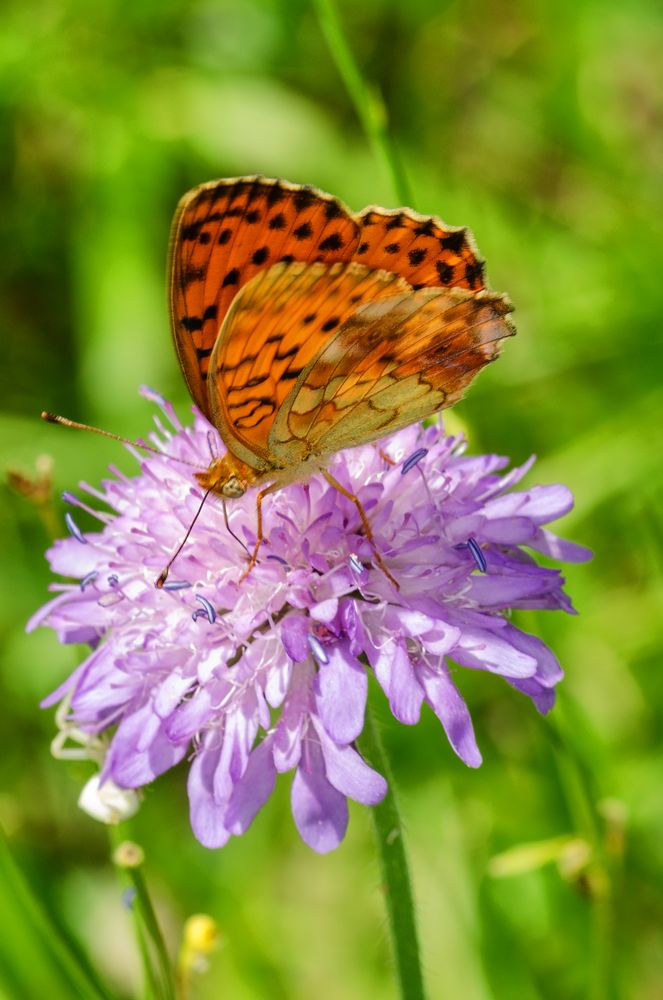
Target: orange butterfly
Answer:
pixel 302 328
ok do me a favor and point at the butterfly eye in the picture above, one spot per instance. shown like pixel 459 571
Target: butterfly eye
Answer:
pixel 232 488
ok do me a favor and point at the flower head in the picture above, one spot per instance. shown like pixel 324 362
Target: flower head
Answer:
pixel 269 674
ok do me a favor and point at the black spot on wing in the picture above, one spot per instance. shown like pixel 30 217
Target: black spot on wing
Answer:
pixel 275 195
pixel 332 242
pixel 333 210
pixel 455 242
pixel 445 271
pixel 260 255
pixel 304 198
pixel 416 256
pixel 231 278
pixel 190 275
pixel 475 273
pixel 426 228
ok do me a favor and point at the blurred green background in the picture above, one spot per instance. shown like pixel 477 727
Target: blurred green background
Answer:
pixel 541 127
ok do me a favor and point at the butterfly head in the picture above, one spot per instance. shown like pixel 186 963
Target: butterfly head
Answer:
pixel 227 477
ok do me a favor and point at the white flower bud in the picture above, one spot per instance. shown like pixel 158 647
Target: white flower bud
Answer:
pixel 108 802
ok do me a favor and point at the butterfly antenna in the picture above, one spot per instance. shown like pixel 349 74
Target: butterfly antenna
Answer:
pixel 225 518
pixel 163 576
pixel 53 418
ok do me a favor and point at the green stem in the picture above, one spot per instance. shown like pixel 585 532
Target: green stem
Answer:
pixel 581 805
pixel 368 102
pixel 158 972
pixel 152 988
pixel 395 873
pixel 144 904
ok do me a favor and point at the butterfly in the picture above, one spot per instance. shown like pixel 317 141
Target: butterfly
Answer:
pixel 302 328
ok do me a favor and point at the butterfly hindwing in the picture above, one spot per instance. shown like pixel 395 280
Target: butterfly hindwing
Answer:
pixel 392 363
pixel 276 325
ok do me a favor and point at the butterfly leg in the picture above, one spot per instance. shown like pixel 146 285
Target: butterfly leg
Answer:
pixel 259 535
pixel 364 521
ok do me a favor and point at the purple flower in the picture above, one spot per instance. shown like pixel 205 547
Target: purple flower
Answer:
pixel 253 678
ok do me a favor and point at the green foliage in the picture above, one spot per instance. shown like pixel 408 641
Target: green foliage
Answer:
pixel 539 126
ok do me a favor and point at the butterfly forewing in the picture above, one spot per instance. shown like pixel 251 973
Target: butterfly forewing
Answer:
pixel 421 249
pixel 226 232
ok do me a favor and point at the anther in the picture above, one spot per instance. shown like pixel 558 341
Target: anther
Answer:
pixel 413 460
pixel 176 585
pixel 316 648
pixel 74 529
pixel 207 609
pixel 355 563
pixel 477 554
pixel 89 578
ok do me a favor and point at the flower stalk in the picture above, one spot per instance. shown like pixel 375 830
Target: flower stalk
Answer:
pixel 158 968
pixel 367 101
pixel 396 881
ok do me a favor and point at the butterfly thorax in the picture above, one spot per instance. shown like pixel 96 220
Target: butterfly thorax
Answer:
pixel 227 477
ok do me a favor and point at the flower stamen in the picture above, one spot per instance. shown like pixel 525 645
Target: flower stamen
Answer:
pixel 477 554
pixel 74 530
pixel 317 649
pixel 207 609
pixel 413 460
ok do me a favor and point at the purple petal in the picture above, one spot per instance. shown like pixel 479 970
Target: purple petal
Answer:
pixel 451 710
pixel 543 697
pixel 485 650
pixel 205 812
pixel 190 717
pixel 69 558
pixel 503 590
pixel 441 639
pixel 141 750
pixel 348 772
pixel 397 679
pixel 320 812
pixel 509 530
pixel 341 690
pixel 170 692
pixel 560 548
pixel 540 503
pixel 295 630
pixel 548 670
pixel 252 790
pixel 325 611
pixel 240 732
